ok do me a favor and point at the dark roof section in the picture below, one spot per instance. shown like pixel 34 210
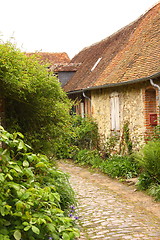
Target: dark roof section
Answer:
pixel 131 53
pixel 51 58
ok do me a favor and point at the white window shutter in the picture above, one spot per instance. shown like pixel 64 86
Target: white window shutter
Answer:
pixel 115 118
pixel 112 114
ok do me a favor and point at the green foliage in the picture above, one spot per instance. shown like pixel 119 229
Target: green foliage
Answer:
pixel 110 144
pixel 82 134
pixel 88 157
pixel 115 166
pixel 127 137
pixel 120 166
pixel 144 181
pixel 35 103
pixel 154 190
pixel 86 132
pixel 156 135
pixel 34 194
pixel 149 159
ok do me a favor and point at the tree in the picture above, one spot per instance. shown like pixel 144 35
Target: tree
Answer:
pixel 35 104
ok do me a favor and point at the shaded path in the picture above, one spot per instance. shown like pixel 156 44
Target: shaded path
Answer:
pixel 111 210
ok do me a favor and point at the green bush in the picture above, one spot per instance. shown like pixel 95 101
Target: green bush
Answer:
pixel 88 157
pixel 144 181
pixel 35 103
pixel 86 133
pixel 35 197
pixel 82 133
pixel 120 166
pixel 149 159
pixel 154 190
pixel 115 166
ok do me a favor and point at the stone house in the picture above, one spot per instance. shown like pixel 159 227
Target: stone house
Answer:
pixel 118 79
pixel 58 63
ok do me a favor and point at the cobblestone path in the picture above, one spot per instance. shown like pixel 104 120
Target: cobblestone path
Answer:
pixel 104 213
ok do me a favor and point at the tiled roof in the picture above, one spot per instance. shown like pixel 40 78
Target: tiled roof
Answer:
pixel 51 58
pixel 131 53
pixel 68 67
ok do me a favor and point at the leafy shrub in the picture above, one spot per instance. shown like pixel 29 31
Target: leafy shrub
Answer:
pixel 120 166
pixel 115 166
pixel 82 133
pixel 149 159
pixel 110 144
pixel 86 132
pixel 34 194
pixel 144 181
pixel 35 103
pixel 154 190
pixel 88 157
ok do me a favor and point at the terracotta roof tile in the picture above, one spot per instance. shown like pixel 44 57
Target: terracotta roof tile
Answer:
pixel 51 58
pixel 131 53
pixel 68 67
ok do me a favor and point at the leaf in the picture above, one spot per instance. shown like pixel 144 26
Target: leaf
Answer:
pixel 20 134
pixel 25 163
pixel 21 145
pixel 14 185
pixel 41 221
pixel 51 227
pixel 27 228
pixel 17 168
pixel 40 164
pixel 2 211
pixel 66 236
pixel 25 195
pixel 35 230
pixel 25 223
pixel 19 205
pixel 17 235
pixel 9 176
pixel 54 196
pixel 2 177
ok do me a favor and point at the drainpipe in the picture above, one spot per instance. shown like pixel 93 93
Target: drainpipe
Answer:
pixel 158 87
pixel 84 95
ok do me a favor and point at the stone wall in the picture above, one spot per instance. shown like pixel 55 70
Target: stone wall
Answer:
pixel 131 110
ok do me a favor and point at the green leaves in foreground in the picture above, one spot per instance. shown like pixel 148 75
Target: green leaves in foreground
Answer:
pixel 32 204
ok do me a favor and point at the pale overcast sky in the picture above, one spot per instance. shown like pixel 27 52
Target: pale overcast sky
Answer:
pixel 65 25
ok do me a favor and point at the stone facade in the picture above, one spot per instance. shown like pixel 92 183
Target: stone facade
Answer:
pixel 132 110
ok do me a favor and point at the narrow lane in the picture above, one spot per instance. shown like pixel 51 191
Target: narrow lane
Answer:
pixel 110 210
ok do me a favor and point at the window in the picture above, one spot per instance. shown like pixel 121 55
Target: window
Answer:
pixel 114 111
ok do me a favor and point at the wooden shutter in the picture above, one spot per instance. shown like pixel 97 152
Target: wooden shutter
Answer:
pixel 115 119
pixel 82 109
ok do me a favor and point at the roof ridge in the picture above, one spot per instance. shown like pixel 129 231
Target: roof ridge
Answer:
pixel 122 28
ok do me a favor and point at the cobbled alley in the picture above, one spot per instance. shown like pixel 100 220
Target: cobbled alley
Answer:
pixel 109 209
